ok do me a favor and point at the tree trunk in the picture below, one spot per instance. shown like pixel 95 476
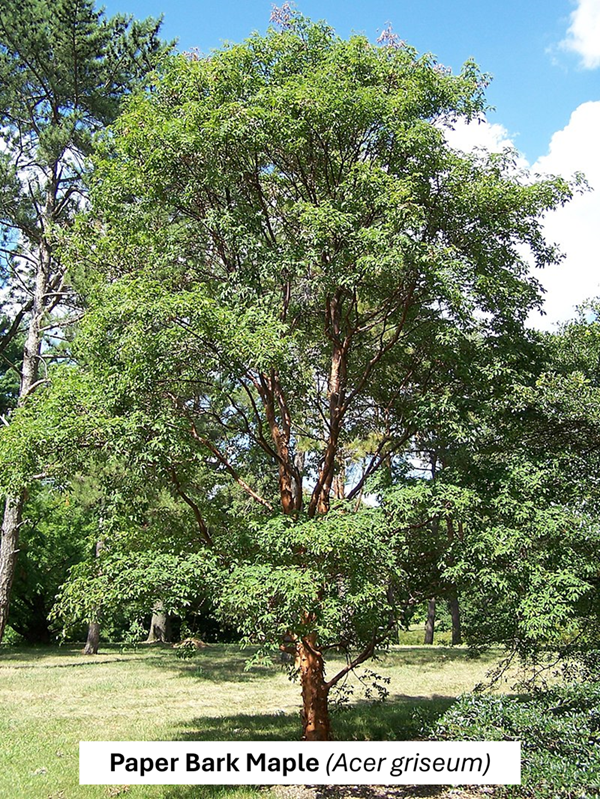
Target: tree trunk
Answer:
pixel 93 639
pixel 9 541
pixel 160 626
pixel 13 509
pixel 456 626
pixel 316 725
pixel 430 623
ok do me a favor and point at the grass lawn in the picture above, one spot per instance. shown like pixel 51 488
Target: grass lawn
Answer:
pixel 52 698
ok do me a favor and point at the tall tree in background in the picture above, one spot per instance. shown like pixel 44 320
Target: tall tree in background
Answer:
pixel 64 69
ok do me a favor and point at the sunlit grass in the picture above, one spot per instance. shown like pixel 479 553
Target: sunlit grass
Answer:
pixel 52 698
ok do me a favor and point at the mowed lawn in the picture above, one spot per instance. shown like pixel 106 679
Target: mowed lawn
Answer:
pixel 51 698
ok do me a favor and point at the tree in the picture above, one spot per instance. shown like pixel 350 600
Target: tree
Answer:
pixel 56 537
pixel 285 258
pixel 64 70
pixel 522 502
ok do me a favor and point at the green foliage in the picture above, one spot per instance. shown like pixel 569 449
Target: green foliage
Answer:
pixel 338 576
pixel 285 202
pixel 11 349
pixel 559 732
pixel 292 279
pixel 12 638
pixel 133 635
pixel 75 63
pixel 64 70
pixel 59 533
pixel 186 650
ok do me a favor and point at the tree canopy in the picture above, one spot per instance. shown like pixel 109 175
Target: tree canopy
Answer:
pixel 298 295
pixel 64 70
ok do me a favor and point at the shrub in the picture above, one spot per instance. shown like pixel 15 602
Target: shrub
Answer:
pixel 559 730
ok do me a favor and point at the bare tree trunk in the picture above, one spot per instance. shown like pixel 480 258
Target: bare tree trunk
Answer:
pixel 430 623
pixel 9 542
pixel 93 639
pixel 13 509
pixel 160 626
pixel 316 725
pixel 456 625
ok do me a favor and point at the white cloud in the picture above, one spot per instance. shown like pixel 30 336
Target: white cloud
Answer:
pixel 583 35
pixel 575 227
pixel 479 133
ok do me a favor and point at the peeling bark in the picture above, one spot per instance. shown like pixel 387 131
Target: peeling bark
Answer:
pixel 321 496
pixel 316 725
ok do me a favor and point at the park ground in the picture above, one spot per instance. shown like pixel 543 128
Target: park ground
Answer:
pixel 53 697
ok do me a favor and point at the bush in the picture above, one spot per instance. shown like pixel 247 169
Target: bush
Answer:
pixel 559 730
pixel 12 638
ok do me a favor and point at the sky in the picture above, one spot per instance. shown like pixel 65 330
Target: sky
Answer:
pixel 544 60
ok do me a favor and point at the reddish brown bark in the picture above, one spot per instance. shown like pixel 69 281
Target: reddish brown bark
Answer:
pixel 316 725
pixel 280 425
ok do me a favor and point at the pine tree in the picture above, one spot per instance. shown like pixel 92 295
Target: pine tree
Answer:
pixel 64 70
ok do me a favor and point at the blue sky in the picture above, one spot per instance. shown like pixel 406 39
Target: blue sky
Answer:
pixel 543 55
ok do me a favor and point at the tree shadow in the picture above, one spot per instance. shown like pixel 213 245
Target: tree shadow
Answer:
pixel 399 718
pixel 432 656
pixel 216 664
pixel 33 656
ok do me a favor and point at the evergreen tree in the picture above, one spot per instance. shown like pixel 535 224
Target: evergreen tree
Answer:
pixel 64 69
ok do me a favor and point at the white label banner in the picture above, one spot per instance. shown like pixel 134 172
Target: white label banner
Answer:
pixel 302 763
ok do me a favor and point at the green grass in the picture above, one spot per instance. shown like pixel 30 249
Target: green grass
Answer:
pixel 54 697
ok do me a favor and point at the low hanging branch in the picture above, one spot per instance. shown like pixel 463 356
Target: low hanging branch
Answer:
pixel 366 654
pixel 195 509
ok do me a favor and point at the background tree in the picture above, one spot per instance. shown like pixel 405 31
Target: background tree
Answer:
pixel 64 69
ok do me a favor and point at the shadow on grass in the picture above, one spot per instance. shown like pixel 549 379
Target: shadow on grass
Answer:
pixel 218 663
pixel 400 718
pixel 432 656
pixel 33 657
